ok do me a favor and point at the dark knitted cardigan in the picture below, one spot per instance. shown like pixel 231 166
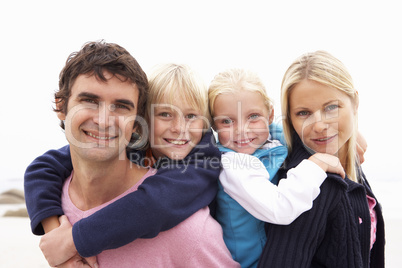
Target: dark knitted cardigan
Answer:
pixel 330 234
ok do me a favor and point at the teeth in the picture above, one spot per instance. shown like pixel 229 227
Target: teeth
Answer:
pixel 243 142
pixel 325 139
pixel 177 142
pixel 100 138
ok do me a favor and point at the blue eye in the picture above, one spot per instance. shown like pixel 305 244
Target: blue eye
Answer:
pixel 164 114
pixel 254 116
pixel 191 116
pixel 227 121
pixel 303 113
pixel 331 107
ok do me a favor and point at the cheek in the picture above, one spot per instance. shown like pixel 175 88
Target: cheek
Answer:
pixel 298 126
pixel 223 136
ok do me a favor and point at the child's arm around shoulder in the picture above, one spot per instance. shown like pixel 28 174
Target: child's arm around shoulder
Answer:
pixel 175 192
pixel 248 183
pixel 43 183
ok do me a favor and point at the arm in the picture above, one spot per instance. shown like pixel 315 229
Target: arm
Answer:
pixel 43 182
pixel 161 202
pixel 297 244
pixel 245 179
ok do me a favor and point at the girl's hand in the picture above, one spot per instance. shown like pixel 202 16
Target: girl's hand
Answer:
pixel 328 163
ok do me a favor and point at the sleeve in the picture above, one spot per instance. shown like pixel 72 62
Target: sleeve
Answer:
pixel 307 238
pixel 175 192
pixel 246 180
pixel 43 182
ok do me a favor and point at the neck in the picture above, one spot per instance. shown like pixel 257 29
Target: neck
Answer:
pixel 95 183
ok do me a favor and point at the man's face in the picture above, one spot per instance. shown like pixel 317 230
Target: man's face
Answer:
pixel 100 117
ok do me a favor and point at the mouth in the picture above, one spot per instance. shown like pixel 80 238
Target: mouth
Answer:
pixel 243 142
pixel 324 140
pixel 177 142
pixel 104 137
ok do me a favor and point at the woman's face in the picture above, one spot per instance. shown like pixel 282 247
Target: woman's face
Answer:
pixel 322 116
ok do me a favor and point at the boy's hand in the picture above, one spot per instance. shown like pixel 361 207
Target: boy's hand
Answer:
pixel 77 262
pixel 328 163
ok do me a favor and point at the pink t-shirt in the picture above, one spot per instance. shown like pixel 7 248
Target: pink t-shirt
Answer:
pixel 195 242
pixel 373 217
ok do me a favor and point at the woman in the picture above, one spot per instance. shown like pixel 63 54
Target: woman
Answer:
pixel 345 227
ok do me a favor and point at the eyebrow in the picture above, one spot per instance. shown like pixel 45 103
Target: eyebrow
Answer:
pixel 325 104
pixel 96 97
pixel 126 102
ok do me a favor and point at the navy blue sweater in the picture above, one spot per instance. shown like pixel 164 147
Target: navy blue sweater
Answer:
pixel 175 192
pixel 330 234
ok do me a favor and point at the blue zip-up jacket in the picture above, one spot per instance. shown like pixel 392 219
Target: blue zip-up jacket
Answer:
pixel 175 192
pixel 244 234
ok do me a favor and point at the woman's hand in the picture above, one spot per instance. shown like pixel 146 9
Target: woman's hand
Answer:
pixel 328 163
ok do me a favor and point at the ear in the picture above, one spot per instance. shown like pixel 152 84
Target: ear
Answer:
pixel 356 102
pixel 59 107
pixel 271 116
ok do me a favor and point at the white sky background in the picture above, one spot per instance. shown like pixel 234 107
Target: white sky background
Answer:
pixel 210 36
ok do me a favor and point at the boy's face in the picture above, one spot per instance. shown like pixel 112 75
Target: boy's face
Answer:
pixel 100 117
pixel 241 120
pixel 175 129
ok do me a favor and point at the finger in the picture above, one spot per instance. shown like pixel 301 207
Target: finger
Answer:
pixel 63 219
pixel 92 261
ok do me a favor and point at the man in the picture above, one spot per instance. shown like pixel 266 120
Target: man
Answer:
pixel 102 93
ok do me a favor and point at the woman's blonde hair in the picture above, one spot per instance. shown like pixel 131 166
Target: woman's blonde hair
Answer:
pixel 322 67
pixel 176 82
pixel 234 80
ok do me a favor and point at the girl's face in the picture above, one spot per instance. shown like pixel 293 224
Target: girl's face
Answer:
pixel 242 121
pixel 322 116
pixel 175 129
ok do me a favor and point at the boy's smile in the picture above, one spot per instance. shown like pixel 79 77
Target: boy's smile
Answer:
pixel 175 129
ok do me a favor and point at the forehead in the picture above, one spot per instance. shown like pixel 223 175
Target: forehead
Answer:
pixel 244 100
pixel 113 88
pixel 180 102
pixel 310 93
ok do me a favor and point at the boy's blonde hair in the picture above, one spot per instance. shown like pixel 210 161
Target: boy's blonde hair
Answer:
pixel 235 80
pixel 322 67
pixel 176 82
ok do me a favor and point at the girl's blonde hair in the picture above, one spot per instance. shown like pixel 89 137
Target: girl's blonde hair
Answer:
pixel 322 67
pixel 177 82
pixel 234 80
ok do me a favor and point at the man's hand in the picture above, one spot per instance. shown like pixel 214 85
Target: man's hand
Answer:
pixel 58 245
pixel 328 163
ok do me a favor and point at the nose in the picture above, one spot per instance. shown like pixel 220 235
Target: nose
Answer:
pixel 178 125
pixel 319 122
pixel 241 129
pixel 103 118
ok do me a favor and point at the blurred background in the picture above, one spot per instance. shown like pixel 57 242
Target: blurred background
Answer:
pixel 210 36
